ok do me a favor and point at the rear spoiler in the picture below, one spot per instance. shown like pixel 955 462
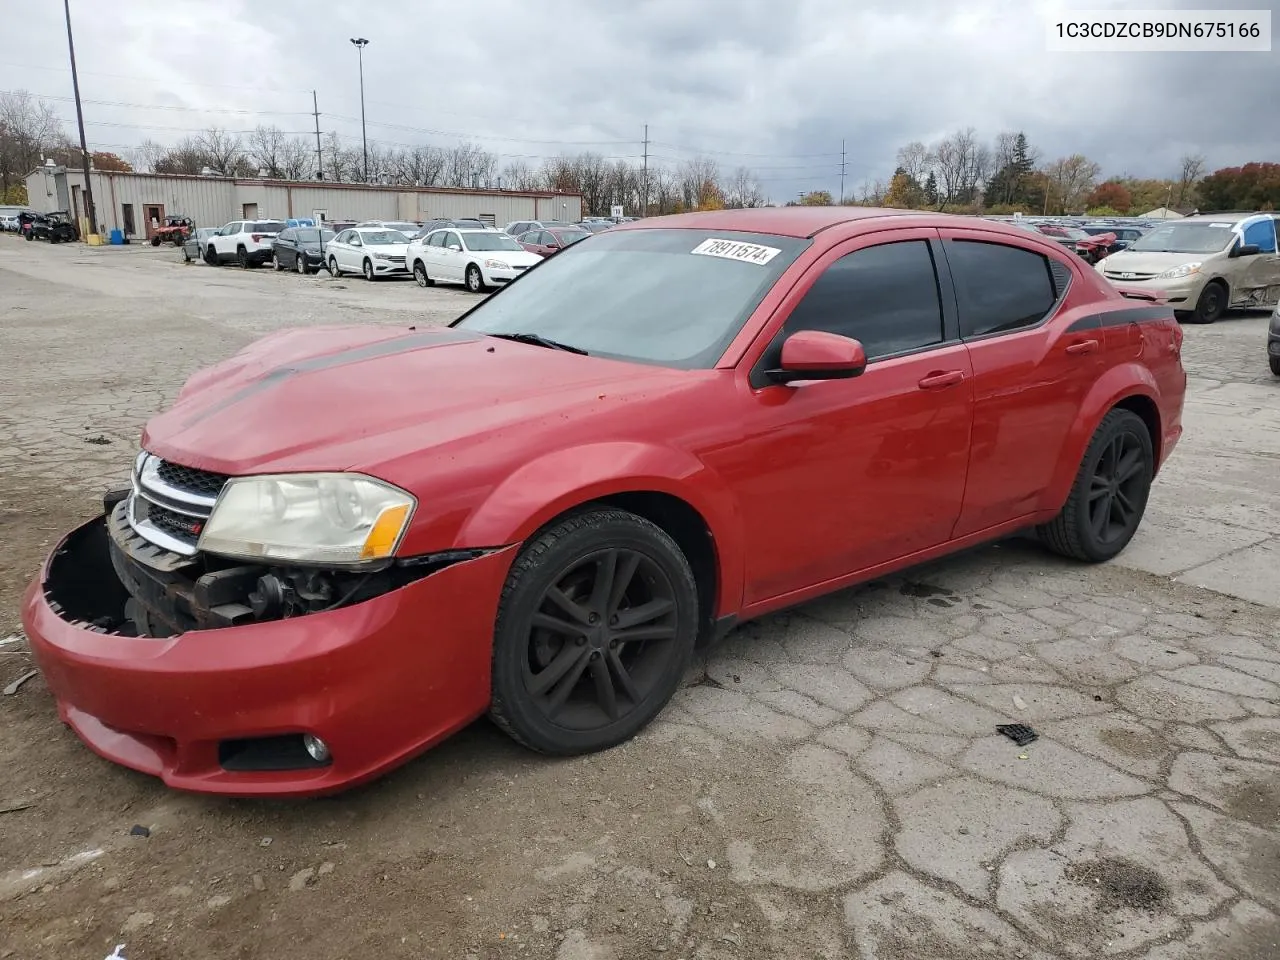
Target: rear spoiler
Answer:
pixel 1157 297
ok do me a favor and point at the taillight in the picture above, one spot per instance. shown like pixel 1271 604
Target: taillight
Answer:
pixel 256 237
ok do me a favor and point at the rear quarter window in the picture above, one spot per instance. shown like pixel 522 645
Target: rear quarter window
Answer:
pixel 999 288
pixel 264 226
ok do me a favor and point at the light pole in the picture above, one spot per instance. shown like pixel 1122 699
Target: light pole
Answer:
pixel 89 212
pixel 361 43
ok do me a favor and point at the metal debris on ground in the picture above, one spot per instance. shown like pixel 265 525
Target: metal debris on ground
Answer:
pixel 12 688
pixel 1019 733
pixel 12 638
pixel 138 830
pixel 15 807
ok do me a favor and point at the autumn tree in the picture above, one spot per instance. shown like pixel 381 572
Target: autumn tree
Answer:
pixel 817 198
pixel 1254 186
pixel 904 191
pixel 1112 195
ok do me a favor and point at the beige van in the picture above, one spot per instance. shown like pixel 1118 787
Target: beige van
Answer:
pixel 1205 264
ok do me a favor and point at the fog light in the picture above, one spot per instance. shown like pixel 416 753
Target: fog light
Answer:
pixel 316 748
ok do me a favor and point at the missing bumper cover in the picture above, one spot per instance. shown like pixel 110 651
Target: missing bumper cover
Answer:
pixel 104 578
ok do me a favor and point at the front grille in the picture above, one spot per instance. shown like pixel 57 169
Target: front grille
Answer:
pixel 1127 275
pixel 190 479
pixel 395 259
pixel 171 503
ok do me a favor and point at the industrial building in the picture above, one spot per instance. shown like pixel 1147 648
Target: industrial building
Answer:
pixel 136 202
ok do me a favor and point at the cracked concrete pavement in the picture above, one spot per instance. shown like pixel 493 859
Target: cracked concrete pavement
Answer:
pixel 829 783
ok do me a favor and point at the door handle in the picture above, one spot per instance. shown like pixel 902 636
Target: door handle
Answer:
pixel 936 381
pixel 1083 347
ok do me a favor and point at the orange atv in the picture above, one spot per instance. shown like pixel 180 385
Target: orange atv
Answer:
pixel 175 230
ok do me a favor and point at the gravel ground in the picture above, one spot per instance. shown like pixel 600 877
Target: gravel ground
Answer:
pixel 828 783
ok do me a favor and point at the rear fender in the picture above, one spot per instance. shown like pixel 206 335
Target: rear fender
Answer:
pixel 1117 384
pixel 557 482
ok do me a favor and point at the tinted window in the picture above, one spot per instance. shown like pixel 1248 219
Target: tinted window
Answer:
pixel 998 287
pixel 885 296
pixel 288 236
pixel 264 226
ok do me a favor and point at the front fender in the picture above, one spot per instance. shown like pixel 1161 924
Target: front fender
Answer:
pixel 1120 382
pixel 556 482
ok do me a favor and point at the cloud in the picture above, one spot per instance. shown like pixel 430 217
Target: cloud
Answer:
pixel 771 86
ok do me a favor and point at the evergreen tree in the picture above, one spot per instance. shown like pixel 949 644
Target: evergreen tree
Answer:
pixel 931 190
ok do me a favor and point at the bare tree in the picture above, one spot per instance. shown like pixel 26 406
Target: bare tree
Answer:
pixel 224 152
pixel 469 166
pixel 699 182
pixel 663 190
pixel 1192 169
pixel 186 156
pixel 342 164
pixel 1070 180
pixel 914 160
pixel 29 129
pixel 518 175
pixel 592 173
pixel 961 165
pixel 266 150
pixel 744 189
pixel 420 166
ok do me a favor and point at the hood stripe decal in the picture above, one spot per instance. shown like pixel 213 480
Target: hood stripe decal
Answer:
pixel 437 336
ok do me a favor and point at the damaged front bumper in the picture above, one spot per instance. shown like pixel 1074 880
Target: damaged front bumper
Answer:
pixel 222 704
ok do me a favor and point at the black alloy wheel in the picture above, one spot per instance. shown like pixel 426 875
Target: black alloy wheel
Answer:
pixel 242 258
pixel 595 629
pixel 1109 496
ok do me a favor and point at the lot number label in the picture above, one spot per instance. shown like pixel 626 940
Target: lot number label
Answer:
pixel 736 250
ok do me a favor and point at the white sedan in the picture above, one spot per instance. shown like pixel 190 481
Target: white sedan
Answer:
pixel 478 259
pixel 372 251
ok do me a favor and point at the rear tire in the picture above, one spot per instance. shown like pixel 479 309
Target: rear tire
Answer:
pixel 572 597
pixel 155 241
pixel 1275 365
pixel 1109 496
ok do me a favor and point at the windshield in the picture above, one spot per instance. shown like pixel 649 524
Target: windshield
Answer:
pixel 567 237
pixel 379 238
pixel 490 241
pixel 1185 238
pixel 670 297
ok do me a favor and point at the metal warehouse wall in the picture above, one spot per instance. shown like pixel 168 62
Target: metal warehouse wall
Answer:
pixel 213 201
pixel 565 208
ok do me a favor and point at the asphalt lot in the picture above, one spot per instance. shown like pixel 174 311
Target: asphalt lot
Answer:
pixel 828 783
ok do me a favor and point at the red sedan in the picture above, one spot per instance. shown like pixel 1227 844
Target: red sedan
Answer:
pixel 551 240
pixel 339 547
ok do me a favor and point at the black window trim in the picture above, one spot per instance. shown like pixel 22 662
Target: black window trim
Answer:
pixel 1060 296
pixel 758 377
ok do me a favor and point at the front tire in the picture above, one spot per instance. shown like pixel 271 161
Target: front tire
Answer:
pixel 595 629
pixel 300 264
pixel 185 255
pixel 242 258
pixel 420 274
pixel 1211 305
pixel 1275 365
pixel 155 241
pixel 1109 496
pixel 475 279
pixel 333 267
pixel 276 264
pixel 368 270
pixel 211 256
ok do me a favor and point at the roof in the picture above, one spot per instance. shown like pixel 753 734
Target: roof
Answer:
pixel 322 184
pixel 798 222
pixel 1228 216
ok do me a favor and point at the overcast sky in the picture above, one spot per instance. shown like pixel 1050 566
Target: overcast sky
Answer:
pixel 770 84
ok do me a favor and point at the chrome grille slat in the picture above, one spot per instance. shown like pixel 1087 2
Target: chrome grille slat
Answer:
pixel 170 503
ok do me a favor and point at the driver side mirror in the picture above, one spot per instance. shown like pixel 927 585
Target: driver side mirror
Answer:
pixel 819 355
pixel 1246 250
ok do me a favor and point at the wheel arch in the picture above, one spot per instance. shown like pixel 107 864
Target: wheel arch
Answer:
pixel 668 487
pixel 1129 386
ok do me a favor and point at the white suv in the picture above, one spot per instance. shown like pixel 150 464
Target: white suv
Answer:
pixel 247 242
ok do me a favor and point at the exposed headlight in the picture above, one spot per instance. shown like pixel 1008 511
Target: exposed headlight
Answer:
pixel 497 265
pixel 382 256
pixel 339 519
pixel 1184 270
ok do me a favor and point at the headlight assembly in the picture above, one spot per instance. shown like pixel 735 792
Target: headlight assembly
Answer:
pixel 334 519
pixel 1183 270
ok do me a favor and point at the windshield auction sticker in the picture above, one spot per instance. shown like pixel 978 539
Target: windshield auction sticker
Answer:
pixel 736 250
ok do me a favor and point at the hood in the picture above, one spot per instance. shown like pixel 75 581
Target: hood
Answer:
pixel 1130 261
pixel 345 398
pixel 388 249
pixel 517 258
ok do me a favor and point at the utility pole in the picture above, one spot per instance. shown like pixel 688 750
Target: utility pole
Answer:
pixel 644 176
pixel 361 43
pixel 842 173
pixel 84 144
pixel 315 105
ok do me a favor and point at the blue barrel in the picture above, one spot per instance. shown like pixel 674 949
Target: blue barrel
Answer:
pixel 117 237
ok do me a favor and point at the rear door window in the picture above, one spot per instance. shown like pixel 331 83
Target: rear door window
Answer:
pixel 999 288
